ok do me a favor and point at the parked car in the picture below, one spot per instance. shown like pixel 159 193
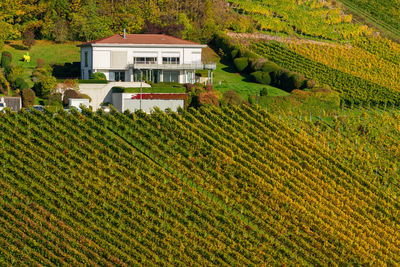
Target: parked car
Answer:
pixel 105 108
pixel 39 108
pixel 2 106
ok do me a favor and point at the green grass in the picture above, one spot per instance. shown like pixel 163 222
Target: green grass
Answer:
pixel 51 52
pixel 226 78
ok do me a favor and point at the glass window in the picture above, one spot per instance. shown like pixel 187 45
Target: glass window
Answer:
pixel 145 60
pixel 170 60
pixel 119 76
pixel 86 59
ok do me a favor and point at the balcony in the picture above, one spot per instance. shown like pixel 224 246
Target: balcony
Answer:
pixel 155 66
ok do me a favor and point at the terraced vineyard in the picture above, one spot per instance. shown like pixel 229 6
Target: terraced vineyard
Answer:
pixel 230 186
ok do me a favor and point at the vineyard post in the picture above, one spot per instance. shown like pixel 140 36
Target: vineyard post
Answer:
pixel 141 84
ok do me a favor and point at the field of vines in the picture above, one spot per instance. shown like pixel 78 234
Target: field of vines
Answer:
pixel 353 60
pixel 215 187
pixel 312 18
pixel 353 89
pixel 383 13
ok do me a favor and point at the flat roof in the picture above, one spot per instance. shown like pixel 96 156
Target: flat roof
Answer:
pixel 140 39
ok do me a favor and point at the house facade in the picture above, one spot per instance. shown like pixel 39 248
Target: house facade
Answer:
pixel 143 57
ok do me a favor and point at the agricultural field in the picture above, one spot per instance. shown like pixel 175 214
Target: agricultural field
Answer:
pixel 384 14
pixel 311 19
pixel 214 186
pixel 352 89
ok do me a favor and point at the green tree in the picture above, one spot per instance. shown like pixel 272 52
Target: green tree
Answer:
pixel 45 86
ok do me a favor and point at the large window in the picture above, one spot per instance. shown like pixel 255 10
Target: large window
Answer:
pixel 170 60
pixel 145 60
pixel 119 76
pixel 86 59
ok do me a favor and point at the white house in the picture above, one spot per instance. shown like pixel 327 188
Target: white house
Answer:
pixel 138 57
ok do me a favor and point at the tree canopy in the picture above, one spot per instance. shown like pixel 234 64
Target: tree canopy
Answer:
pixel 85 20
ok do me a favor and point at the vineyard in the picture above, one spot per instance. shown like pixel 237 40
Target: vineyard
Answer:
pixel 229 186
pixel 312 18
pixel 353 89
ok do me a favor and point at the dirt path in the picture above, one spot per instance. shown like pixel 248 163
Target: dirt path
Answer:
pixel 262 36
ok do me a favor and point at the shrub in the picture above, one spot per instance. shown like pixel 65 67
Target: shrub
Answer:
pixel 70 94
pixel 235 53
pixel 308 84
pixel 6 59
pixel 118 89
pixel 40 63
pixel 261 77
pixel 28 97
pixel 92 81
pixel 232 98
pixel 208 98
pixel 14 73
pixel 270 67
pixel 4 84
pixel 28 38
pixel 249 54
pixel 85 96
pixel 241 63
pixel 264 92
pixel 45 86
pixel 296 80
pixel 98 76
pixel 55 99
pixel 19 81
pixel 255 64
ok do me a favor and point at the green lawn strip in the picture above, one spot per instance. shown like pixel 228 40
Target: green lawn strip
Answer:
pixel 156 90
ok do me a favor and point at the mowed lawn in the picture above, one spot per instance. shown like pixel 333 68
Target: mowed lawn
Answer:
pixel 50 52
pixel 227 78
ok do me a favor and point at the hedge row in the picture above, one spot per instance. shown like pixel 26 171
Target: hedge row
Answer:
pixel 260 69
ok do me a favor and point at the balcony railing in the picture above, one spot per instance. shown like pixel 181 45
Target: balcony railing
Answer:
pixel 193 66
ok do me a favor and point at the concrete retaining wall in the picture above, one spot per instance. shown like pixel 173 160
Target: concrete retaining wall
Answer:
pixel 101 93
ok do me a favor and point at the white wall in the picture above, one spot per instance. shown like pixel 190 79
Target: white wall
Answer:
pixel 124 102
pixel 102 54
pixel 102 92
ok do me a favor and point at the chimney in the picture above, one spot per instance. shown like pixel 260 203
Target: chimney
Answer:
pixel 124 34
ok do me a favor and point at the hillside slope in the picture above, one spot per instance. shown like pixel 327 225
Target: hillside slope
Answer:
pixel 231 186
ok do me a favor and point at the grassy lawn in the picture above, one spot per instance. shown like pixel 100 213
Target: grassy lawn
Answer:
pixel 49 51
pixel 226 78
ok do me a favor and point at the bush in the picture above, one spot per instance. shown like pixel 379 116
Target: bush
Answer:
pixel 6 59
pixel 92 81
pixel 232 98
pixel 241 63
pixel 264 92
pixel 45 86
pixel 118 89
pixel 98 76
pixel 270 67
pixel 40 63
pixel 255 64
pixel 208 98
pixel 19 82
pixel 28 97
pixel 55 99
pixel 28 38
pixel 235 53
pixel 14 73
pixel 85 96
pixel 70 94
pixel 4 84
pixel 261 77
